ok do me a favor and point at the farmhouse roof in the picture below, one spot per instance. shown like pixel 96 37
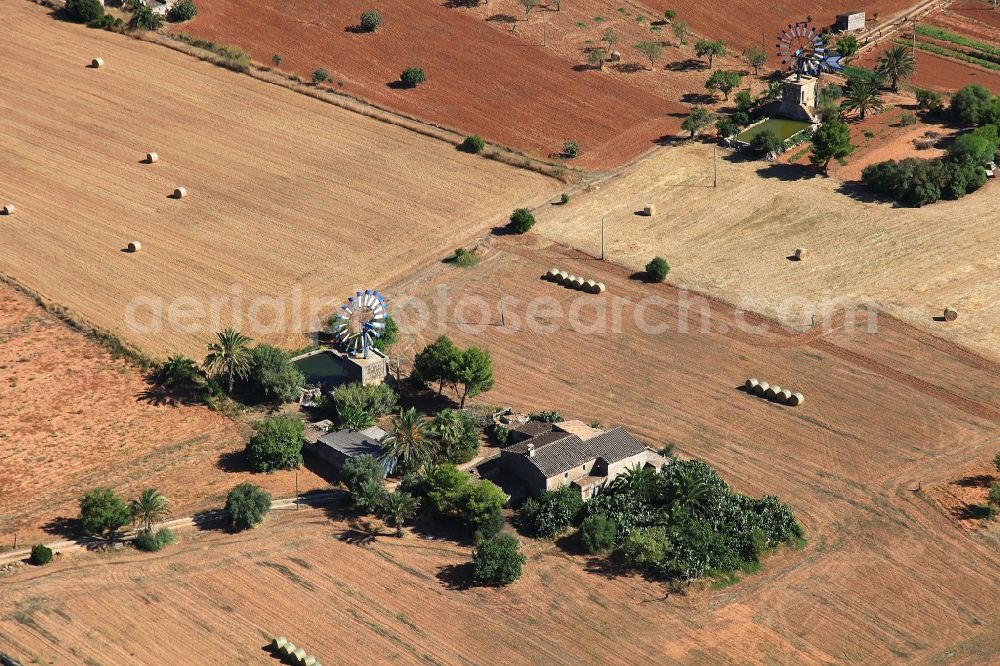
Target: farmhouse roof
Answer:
pixel 558 452
pixel 534 428
pixel 355 442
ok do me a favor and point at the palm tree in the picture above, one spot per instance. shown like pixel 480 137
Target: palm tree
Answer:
pixel 397 507
pixel 862 95
pixel 408 442
pixel 149 508
pixel 447 429
pixel 639 481
pixel 230 355
pixel 896 63
pixel 689 495
pixel 179 372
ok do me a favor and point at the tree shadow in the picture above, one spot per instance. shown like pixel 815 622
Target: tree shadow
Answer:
pixel 697 98
pixel 67 528
pixel 786 172
pixel 216 520
pixel 686 65
pixel 457 576
pixel 628 68
pixel 671 139
pixel 502 18
pixel 971 512
pixel 233 462
pixel 642 276
pixel 976 480
pixel 457 4
pixel 356 537
pixel 855 190
pixel 398 85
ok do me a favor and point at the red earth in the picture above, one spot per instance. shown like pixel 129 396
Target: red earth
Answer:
pixel 942 74
pixel 479 80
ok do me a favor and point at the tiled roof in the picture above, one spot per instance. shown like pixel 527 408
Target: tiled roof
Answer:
pixel 557 452
pixel 355 443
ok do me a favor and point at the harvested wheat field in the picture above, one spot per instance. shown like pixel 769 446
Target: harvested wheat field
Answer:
pixel 479 80
pixel 734 241
pixel 286 195
pixel 73 418
pixel 887 576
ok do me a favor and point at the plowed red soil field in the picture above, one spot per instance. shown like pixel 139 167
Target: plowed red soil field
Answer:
pixel 887 576
pixel 479 80
pixel 939 73
pixel 73 418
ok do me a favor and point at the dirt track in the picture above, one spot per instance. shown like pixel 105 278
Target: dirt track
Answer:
pixel 285 192
pixel 887 576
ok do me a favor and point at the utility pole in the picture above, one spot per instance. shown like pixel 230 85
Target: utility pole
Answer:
pixel 399 360
pixel 296 490
pixel 503 320
pixel 715 166
pixel 602 239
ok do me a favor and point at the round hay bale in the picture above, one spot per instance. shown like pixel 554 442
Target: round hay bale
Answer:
pixel 288 648
pixel 563 277
pixel 180 193
pixel 134 246
pixel 771 391
pixel 649 210
pixel 616 56
pixel 578 283
pixel 750 385
pixel 278 642
pixel 783 396
pixel 761 388
pixel 151 158
pixel 801 253
pixel 591 287
pixel 97 63
pixel 552 273
pixel 8 209
pixel 298 656
pixel 796 399
pixel 601 288
pixel 571 281
pixel 950 314
pixel 309 661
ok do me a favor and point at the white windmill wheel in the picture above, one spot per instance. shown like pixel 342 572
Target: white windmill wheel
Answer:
pixel 361 321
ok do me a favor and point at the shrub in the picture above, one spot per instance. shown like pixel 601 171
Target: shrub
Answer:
pixel 84 11
pixel 929 101
pixel 645 548
pixel 270 377
pixel 765 142
pixel 563 198
pixel 551 513
pixel 994 496
pixel 276 445
pixel 982 511
pixel 370 21
pixel 996 462
pixel 463 258
pixel 970 104
pixel 657 269
pixel 247 505
pixel 456 435
pixel 743 100
pixel 234 58
pixel 498 561
pixel 489 526
pixel 478 503
pixel 276 59
pixel 319 76
pixel 521 220
pixel 570 148
pixel 360 470
pixel 144 18
pixel 185 10
pixel 358 406
pixel 907 119
pixel 40 554
pixel 102 511
pixel 473 144
pixel 547 416
pixel 153 542
pixel 412 77
pixel 598 534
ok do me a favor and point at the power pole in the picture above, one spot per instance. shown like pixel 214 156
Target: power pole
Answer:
pixel 503 320
pixel 296 490
pixel 602 239
pixel 715 166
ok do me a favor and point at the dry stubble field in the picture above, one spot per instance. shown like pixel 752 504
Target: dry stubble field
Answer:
pixel 284 190
pixel 733 241
pixel 887 575
pixel 73 418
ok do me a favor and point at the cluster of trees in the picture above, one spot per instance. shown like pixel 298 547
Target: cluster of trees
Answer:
pixel 184 10
pixel 102 513
pixel 679 523
pixel 917 182
pixel 357 407
pixel 416 441
pixel 989 509
pixel 364 477
pixel 469 372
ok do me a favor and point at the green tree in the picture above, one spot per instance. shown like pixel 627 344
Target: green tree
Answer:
pixel 473 144
pixel 570 148
pixel 724 81
pixel 681 31
pixel 652 50
pixel 657 269
pixel 270 376
pixel 408 442
pixel 598 534
pixel 994 496
pixel 596 57
pixel 477 502
pixel 610 37
pixel 185 10
pixel 456 435
pixel 521 220
pixel 150 507
pixel 929 101
pixel 412 77
pixel 832 141
pixel 474 374
pixel 726 127
pixel 102 512
pixel 552 512
pixel 370 21
pixel 277 444
pixel 40 554
pixel 439 361
pixel 897 63
pixel 996 462
pixel 528 6
pixel 84 11
pixel 319 76
pixel 276 59
pixel 390 332
pixel 706 48
pixel 498 561
pixel 180 374
pixel 744 101
pixel 247 505
pixel 975 148
pixel 444 486
pixel 370 496
pixel 970 105
pixel 144 18
pixel 358 406
pixel 847 45
pixel 699 118
pixel 756 58
pixel 862 95
pixel 229 355
pixel 670 15
pixel 645 548
pixel 360 470
pixel 398 507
